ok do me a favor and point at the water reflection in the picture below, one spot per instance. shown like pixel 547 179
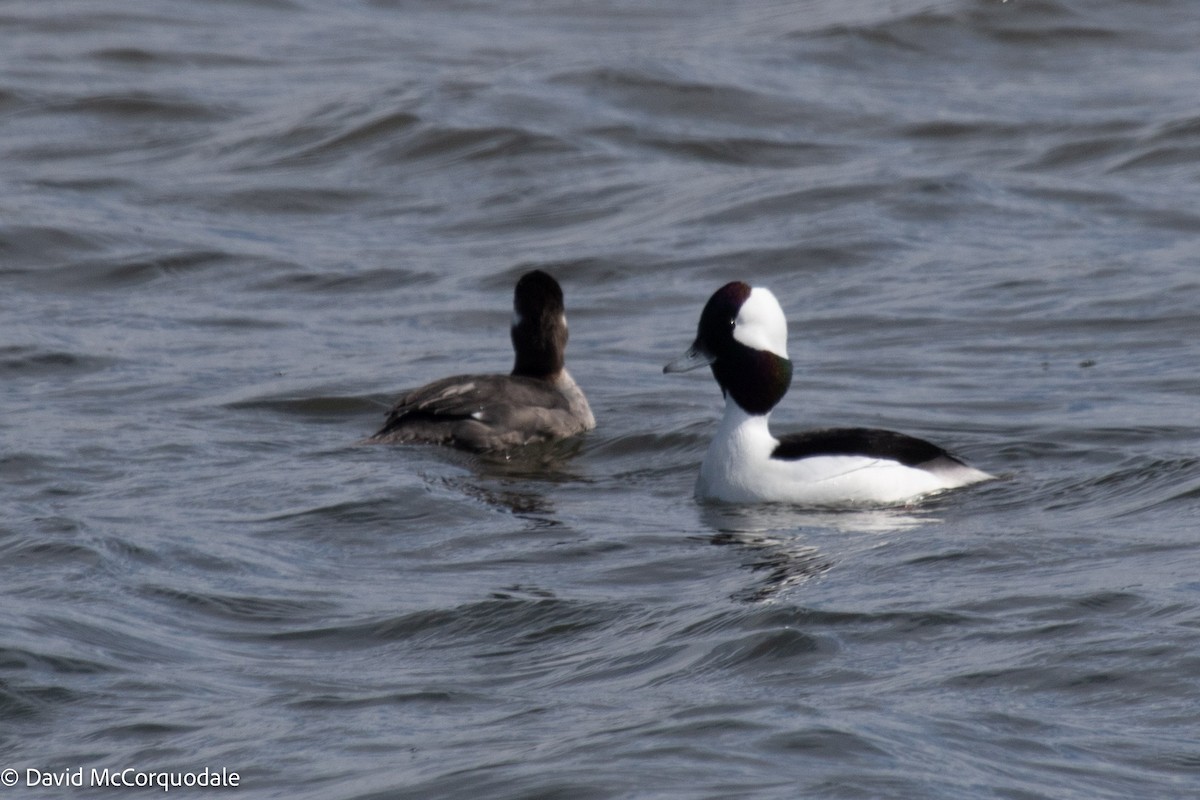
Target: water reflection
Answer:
pixel 776 539
pixel 517 481
pixel 533 506
pixel 782 517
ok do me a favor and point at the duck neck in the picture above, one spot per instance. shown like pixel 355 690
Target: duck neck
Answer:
pixel 539 348
pixel 755 381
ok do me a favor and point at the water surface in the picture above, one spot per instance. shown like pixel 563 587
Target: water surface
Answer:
pixel 232 232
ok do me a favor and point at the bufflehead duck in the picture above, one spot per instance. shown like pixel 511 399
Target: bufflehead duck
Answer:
pixel 743 337
pixel 538 401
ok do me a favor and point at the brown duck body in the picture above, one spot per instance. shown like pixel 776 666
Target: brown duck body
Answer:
pixel 538 401
pixel 488 412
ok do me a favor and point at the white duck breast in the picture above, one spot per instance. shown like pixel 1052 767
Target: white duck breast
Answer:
pixel 743 337
pixel 538 401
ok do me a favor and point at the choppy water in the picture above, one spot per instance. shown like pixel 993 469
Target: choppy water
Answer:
pixel 232 231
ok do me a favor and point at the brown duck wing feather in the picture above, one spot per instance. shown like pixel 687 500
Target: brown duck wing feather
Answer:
pixel 468 410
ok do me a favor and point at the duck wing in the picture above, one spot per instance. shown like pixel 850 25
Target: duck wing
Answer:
pixel 869 442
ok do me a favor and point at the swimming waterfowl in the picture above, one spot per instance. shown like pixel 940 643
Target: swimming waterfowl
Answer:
pixel 742 336
pixel 538 401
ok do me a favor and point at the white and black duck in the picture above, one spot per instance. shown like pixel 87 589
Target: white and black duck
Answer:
pixel 743 337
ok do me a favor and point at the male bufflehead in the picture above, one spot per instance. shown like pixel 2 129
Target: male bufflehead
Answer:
pixel 743 337
pixel 537 402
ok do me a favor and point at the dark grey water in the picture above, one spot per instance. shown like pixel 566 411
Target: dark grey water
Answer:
pixel 232 231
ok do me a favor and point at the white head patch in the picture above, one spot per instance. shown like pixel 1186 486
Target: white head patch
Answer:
pixel 761 324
